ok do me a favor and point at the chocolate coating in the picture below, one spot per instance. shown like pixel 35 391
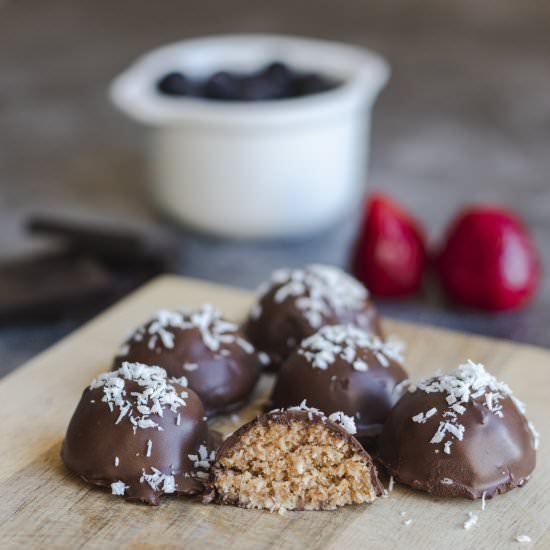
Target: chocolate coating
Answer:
pixel 497 449
pixel 293 414
pixel 342 368
pixel 221 366
pixel 104 452
pixel 297 303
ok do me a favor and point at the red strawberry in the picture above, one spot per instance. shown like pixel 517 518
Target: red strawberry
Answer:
pixel 390 254
pixel 489 260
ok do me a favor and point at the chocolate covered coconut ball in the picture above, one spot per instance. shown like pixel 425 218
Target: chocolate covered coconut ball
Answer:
pixel 343 368
pixel 139 434
pixel 220 364
pixel 294 459
pixel 462 434
pixel 294 304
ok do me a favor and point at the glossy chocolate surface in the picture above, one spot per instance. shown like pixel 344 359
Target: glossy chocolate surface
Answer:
pixel 341 368
pixel 106 447
pixel 221 366
pixel 297 303
pixel 489 448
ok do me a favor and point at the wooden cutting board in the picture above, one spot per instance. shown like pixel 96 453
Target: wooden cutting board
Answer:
pixel 43 506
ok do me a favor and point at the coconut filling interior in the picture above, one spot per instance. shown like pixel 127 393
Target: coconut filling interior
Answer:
pixel 293 466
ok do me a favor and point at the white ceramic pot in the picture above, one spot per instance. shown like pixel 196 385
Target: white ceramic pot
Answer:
pixel 277 168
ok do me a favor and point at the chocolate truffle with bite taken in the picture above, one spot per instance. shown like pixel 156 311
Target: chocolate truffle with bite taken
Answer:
pixel 139 434
pixel 462 434
pixel 220 364
pixel 343 368
pixel 294 304
pixel 294 459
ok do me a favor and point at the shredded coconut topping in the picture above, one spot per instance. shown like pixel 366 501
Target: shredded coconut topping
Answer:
pixel 203 459
pixel 159 481
pixel 523 539
pixel 264 358
pixel 346 341
pixel 317 290
pixel 471 521
pixel 215 331
pixel 157 394
pixel 182 381
pixel 468 382
pixel 118 488
pixel 303 406
pixel 422 418
pixel 338 417
pixel 347 422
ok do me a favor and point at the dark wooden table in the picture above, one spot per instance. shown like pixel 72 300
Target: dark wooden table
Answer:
pixel 466 118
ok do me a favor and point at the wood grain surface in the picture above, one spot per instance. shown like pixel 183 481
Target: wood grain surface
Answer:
pixel 464 118
pixel 43 506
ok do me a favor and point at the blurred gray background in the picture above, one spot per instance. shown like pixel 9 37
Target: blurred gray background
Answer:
pixel 466 117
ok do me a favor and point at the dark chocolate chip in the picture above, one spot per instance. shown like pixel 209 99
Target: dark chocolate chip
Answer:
pixel 223 85
pixel 311 83
pixel 175 84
